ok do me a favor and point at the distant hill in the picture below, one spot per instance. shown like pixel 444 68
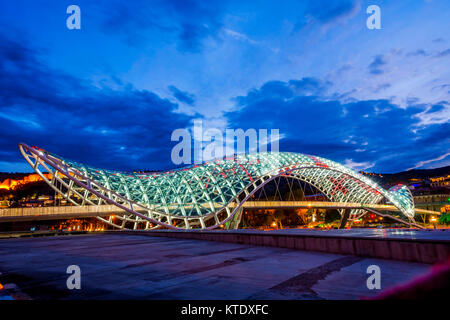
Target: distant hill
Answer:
pixel 13 175
pixel 405 176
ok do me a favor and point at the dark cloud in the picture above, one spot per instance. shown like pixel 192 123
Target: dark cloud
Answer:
pixel 438 40
pixel 189 22
pixel 124 128
pixel 182 96
pixel 418 52
pixel 330 10
pixel 435 135
pixel 381 132
pixel 310 86
pixel 382 87
pixel 443 53
pixel 444 86
pixel 345 67
pixel 307 86
pixel 327 11
pixel 377 63
pixel 435 108
pixel 132 20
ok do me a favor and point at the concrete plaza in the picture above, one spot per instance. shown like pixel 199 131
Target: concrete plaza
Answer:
pixel 126 266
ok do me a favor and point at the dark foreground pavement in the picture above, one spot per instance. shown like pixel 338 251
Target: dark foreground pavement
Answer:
pixel 124 266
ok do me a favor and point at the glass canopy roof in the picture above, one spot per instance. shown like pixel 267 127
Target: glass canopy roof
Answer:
pixel 208 194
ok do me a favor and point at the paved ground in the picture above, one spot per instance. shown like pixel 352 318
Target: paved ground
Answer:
pixel 143 267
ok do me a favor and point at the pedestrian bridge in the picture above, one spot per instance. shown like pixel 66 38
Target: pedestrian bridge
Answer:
pixel 66 212
pixel 208 195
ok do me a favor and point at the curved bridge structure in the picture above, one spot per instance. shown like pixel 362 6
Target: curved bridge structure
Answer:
pixel 208 195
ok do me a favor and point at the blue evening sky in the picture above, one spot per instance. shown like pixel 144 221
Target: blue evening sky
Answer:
pixel 111 94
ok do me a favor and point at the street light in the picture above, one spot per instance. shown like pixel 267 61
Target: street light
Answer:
pixel 433 220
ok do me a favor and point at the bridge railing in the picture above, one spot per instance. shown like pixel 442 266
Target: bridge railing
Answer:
pixel 59 210
pixel 105 210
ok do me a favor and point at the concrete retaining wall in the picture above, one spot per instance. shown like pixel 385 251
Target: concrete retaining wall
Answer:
pixel 424 251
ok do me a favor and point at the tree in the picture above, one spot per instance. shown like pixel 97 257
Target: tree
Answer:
pixel 444 218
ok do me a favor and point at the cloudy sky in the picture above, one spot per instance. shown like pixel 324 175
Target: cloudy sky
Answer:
pixel 111 94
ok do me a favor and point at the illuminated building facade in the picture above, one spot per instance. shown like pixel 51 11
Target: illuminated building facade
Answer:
pixel 433 202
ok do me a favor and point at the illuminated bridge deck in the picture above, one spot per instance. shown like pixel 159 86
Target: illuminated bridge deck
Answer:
pixel 59 212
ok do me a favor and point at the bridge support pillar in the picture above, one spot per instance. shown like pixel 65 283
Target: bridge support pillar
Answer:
pixel 344 218
pixel 236 220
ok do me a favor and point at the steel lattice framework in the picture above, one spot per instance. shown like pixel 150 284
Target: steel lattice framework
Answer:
pixel 207 195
